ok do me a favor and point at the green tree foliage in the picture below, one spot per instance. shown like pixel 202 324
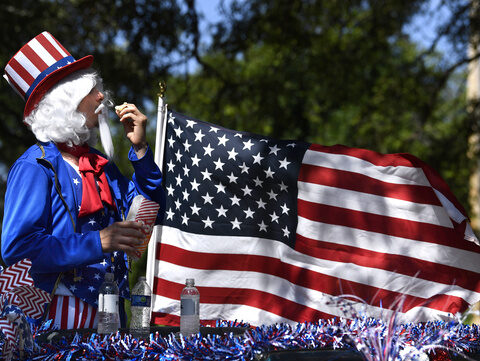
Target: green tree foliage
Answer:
pixel 337 72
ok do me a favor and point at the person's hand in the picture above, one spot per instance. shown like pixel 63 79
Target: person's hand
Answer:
pixel 134 123
pixel 122 236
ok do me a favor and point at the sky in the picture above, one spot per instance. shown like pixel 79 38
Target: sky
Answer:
pixel 209 13
pixel 209 8
pixel 421 29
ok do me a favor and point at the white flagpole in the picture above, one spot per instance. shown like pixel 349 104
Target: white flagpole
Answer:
pixel 158 156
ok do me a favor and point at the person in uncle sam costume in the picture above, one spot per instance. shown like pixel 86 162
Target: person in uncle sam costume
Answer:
pixel 65 202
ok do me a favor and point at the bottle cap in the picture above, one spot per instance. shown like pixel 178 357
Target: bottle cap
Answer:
pixel 109 276
pixel 141 278
pixel 190 281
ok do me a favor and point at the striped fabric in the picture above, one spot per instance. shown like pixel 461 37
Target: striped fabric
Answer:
pixel 9 331
pixel 272 231
pixel 146 214
pixel 38 66
pixel 70 312
pixel 34 61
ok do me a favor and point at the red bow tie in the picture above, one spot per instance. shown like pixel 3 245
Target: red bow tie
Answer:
pixel 95 189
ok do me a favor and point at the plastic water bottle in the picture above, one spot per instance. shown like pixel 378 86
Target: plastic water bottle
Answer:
pixel 140 307
pixel 108 316
pixel 189 309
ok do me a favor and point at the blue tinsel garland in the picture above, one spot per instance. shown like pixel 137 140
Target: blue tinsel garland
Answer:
pixel 375 339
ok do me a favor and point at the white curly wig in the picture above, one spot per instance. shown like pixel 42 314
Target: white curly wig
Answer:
pixel 56 117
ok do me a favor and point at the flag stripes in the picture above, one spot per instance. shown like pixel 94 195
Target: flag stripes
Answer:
pixel 365 184
pixel 428 259
pixel 393 169
pixel 424 232
pixel 373 204
pixel 253 297
pixel 276 268
pixel 69 312
pixel 289 303
pixel 275 231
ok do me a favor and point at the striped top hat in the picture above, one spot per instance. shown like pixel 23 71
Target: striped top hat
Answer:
pixel 38 66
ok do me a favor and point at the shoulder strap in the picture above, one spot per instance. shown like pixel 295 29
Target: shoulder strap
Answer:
pixel 58 188
pixel 46 163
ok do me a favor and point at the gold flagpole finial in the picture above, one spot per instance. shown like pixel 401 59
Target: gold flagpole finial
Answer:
pixel 163 88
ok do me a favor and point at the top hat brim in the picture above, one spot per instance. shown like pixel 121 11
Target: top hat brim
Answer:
pixel 53 78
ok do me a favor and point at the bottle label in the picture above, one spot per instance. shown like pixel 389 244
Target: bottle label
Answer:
pixel 188 307
pixel 141 301
pixel 108 303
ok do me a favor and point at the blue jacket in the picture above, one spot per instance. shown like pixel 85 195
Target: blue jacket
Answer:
pixel 37 225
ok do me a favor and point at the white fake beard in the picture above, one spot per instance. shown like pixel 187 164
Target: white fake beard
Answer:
pixel 105 135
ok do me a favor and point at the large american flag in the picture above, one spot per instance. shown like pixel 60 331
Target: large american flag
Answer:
pixel 273 230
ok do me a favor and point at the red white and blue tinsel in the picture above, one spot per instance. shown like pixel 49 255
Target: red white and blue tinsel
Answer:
pixel 367 338
pixel 374 339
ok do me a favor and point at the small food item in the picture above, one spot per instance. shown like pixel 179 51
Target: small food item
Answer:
pixel 119 108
